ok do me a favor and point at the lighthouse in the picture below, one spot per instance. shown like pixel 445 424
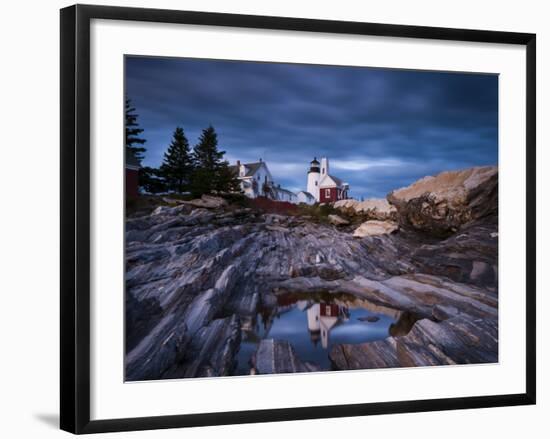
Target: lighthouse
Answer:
pixel 313 176
pixel 324 187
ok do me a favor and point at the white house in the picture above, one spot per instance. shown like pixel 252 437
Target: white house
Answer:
pixel 305 197
pixel 256 180
pixel 281 194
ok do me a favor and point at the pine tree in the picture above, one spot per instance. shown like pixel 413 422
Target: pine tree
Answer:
pixel 177 166
pixel 227 180
pixel 152 180
pixel 205 153
pixel 212 173
pixel 133 131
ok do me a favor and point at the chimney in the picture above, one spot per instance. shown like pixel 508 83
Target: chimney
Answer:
pixel 324 166
pixel 239 163
pixel 260 160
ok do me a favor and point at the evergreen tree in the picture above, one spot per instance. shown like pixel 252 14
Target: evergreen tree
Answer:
pixel 227 180
pixel 151 180
pixel 205 153
pixel 177 166
pixel 133 139
pixel 212 173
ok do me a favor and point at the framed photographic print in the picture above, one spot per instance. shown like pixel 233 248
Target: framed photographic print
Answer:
pixel 304 218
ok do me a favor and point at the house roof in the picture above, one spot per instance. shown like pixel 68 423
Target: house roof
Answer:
pixel 251 168
pixel 330 180
pixel 131 159
pixel 280 189
pixel 337 180
pixel 307 194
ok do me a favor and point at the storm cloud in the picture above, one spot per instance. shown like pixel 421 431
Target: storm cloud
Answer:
pixel 381 129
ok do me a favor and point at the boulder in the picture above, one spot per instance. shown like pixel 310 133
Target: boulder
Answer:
pixel 440 205
pixel 373 355
pixel 337 220
pixel 212 350
pixel 442 312
pixel 171 211
pixel 207 202
pixel 277 356
pixel 163 347
pixel 374 228
pixel 346 204
pixel 416 294
pixel 172 201
pixel 273 218
pixel 458 340
pixel 469 256
pixel 373 208
pixel 141 317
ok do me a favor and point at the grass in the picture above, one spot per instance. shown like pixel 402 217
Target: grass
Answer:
pixel 319 213
pixel 266 205
pixel 235 199
pixel 143 204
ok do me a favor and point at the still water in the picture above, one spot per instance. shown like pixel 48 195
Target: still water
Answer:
pixel 313 324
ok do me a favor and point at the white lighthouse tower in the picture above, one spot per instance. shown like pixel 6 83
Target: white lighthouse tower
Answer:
pixel 313 177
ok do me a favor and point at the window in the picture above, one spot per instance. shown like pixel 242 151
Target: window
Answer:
pixel 327 193
pixel 322 170
pixel 315 183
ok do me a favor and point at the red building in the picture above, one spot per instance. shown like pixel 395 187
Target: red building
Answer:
pixel 330 193
pixel 329 310
pixel 132 172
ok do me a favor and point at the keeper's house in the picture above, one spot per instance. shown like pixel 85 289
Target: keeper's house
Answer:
pixel 257 181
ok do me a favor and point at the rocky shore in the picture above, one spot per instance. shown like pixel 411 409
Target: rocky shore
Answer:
pixel 199 272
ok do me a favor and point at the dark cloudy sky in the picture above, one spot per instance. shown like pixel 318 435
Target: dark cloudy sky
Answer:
pixel 381 129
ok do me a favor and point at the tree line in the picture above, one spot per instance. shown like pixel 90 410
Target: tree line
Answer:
pixel 201 170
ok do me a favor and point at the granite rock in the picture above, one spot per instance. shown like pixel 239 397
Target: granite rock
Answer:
pixel 374 228
pixel 440 205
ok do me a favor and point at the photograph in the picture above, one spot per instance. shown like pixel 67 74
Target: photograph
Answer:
pixel 271 219
pixel 287 218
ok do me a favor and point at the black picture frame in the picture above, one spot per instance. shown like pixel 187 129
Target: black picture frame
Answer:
pixel 75 217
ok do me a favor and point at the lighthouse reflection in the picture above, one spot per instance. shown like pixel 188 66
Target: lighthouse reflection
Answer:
pixel 322 317
pixel 313 323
